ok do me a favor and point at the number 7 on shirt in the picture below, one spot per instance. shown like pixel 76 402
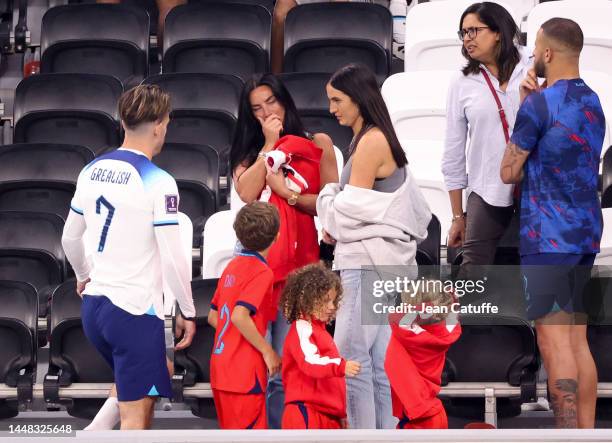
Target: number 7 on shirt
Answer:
pixel 101 201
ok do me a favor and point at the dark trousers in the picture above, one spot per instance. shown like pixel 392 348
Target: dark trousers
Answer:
pixel 485 226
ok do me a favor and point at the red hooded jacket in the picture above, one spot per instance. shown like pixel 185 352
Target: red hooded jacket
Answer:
pixel 414 362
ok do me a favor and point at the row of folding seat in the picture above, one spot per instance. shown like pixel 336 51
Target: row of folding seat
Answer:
pixel 213 37
pixel 82 109
pixel 492 351
pixel 226 37
pixel 74 361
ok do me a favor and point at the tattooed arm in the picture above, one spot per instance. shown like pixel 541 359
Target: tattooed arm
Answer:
pixel 511 170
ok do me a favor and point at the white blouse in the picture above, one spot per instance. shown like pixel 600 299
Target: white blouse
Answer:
pixel 471 109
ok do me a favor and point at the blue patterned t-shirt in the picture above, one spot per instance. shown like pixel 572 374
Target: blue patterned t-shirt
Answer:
pixel 563 129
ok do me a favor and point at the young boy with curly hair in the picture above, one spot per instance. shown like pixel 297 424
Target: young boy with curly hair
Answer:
pixel 312 370
pixel 416 354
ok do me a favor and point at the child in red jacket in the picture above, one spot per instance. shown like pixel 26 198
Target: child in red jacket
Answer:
pixel 312 370
pixel 416 354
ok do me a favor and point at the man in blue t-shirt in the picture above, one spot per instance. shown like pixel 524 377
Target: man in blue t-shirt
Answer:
pixel 554 153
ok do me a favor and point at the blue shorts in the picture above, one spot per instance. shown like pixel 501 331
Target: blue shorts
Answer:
pixel 133 345
pixel 555 282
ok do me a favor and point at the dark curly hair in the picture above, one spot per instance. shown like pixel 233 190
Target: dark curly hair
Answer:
pixel 306 290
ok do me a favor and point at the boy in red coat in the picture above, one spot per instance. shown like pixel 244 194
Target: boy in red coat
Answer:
pixel 313 371
pixel 241 358
pixel 416 354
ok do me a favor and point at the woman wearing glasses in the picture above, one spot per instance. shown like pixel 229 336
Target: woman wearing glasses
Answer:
pixel 483 101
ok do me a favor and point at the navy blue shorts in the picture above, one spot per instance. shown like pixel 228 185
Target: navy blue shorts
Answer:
pixel 555 282
pixel 133 345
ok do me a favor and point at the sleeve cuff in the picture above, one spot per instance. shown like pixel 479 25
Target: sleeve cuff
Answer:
pixel 342 368
pixel 214 307
pixel 77 210
pixel 249 306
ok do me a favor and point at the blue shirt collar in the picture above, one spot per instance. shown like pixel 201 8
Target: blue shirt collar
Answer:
pixel 249 253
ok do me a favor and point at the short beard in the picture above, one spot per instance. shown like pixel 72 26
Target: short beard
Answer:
pixel 540 69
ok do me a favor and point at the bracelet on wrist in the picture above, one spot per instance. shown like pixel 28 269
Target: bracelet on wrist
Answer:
pixel 458 217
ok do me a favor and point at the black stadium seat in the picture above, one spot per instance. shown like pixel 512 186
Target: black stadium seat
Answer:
pixel 428 251
pixel 72 358
pixel 51 198
pixel 492 350
pixel 196 171
pixel 68 108
pixel 217 38
pixel 204 109
pixel 606 187
pixel 322 37
pixel 41 162
pixel 40 177
pixel 308 93
pixel 31 250
pixel 18 331
pixel 192 365
pixel 96 39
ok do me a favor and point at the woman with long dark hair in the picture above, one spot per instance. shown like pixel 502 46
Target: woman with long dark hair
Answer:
pixel 268 121
pixel 483 102
pixel 374 216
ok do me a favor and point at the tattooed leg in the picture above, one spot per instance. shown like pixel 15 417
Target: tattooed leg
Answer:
pixel 563 394
pixel 554 341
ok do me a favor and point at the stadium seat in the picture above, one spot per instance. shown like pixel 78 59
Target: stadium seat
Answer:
pixel 268 4
pixel 219 243
pixel 424 158
pixel 597 52
pixel 186 229
pixel 600 83
pixel 18 331
pixel 51 198
pixel 192 365
pixel 431 35
pixel 198 203
pixel 428 251
pixel 68 108
pixel 492 351
pixel 72 358
pixel 322 37
pixel 196 171
pixel 308 93
pixel 31 251
pixel 520 7
pixel 417 103
pixel 235 201
pixel 41 162
pixel 217 38
pixel 109 39
pixel 605 255
pixel 204 109
pixel 606 180
pixel 40 177
pixel 599 334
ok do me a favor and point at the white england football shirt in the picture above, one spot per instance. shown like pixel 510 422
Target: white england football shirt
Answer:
pixel 129 207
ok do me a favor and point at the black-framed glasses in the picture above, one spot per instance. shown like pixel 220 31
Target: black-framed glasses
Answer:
pixel 470 32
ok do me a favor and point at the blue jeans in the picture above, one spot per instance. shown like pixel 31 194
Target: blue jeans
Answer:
pixel 275 394
pixel 369 393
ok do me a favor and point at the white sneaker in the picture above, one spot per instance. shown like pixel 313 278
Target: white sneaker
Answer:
pixel 541 405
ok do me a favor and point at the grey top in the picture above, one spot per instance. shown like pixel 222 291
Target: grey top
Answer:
pixel 387 184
